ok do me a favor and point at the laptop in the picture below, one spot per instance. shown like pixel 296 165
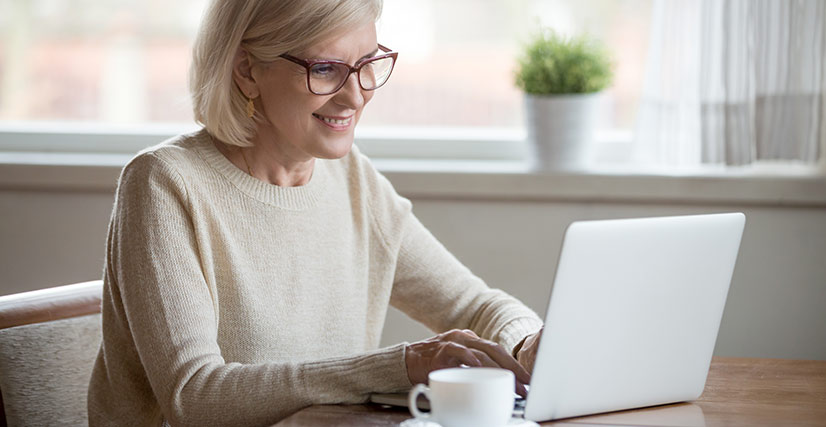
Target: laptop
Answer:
pixel 633 315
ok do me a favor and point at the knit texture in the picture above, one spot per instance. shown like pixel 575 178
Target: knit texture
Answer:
pixel 230 301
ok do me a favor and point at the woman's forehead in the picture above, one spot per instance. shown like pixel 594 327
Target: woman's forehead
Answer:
pixel 348 46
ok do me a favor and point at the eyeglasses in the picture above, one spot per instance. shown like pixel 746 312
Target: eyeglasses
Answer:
pixel 325 77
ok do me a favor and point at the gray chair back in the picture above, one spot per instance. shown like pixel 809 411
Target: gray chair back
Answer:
pixel 48 343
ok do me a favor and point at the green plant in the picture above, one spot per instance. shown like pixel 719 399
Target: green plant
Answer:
pixel 553 64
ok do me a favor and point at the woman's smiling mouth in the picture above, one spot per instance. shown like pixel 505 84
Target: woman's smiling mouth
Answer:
pixel 338 123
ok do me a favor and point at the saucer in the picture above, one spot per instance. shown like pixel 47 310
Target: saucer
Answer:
pixel 514 422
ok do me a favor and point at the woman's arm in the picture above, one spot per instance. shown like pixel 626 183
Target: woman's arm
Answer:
pixel 434 288
pixel 161 301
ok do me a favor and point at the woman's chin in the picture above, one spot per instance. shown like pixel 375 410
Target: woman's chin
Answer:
pixel 337 148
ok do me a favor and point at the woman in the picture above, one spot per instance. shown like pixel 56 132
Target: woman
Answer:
pixel 250 265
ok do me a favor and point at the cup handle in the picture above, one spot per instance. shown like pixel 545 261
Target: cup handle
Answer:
pixel 413 397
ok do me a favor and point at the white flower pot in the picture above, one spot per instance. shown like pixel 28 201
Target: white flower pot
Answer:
pixel 560 130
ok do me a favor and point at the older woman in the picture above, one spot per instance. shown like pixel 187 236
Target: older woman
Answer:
pixel 250 265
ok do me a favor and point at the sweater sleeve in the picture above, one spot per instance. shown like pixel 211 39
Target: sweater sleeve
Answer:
pixel 166 308
pixel 434 288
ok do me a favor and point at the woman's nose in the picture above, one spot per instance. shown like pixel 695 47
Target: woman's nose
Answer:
pixel 350 95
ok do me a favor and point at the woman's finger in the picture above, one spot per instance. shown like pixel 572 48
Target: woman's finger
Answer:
pixel 484 358
pixel 498 354
pixel 519 387
pixel 527 356
pixel 453 354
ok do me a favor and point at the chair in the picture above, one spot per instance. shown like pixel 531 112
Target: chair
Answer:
pixel 48 343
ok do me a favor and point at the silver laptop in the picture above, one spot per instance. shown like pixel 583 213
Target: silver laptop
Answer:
pixel 633 316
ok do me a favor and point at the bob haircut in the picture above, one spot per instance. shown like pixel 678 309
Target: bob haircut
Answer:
pixel 265 29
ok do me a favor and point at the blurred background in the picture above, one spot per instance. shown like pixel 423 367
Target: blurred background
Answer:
pixel 126 61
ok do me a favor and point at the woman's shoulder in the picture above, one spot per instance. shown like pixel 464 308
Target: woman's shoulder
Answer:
pixel 360 170
pixel 380 195
pixel 362 176
pixel 178 150
pixel 170 159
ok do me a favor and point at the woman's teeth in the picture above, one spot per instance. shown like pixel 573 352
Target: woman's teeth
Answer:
pixel 333 121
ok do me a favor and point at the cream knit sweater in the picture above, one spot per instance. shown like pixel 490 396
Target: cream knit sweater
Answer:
pixel 230 301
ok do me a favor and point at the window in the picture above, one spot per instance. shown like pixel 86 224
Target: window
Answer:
pixel 125 62
pixel 457 58
pixel 100 61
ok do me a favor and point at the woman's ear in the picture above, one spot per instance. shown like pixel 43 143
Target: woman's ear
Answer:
pixel 242 74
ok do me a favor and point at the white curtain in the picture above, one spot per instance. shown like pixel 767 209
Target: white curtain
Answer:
pixel 734 81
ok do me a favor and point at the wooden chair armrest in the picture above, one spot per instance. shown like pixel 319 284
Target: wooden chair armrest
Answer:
pixel 61 302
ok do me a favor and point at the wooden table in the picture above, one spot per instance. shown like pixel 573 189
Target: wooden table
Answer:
pixel 739 392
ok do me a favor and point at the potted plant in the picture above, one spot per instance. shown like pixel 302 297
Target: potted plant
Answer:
pixel 562 79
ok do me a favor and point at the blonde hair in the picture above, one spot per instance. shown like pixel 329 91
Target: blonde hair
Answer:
pixel 265 29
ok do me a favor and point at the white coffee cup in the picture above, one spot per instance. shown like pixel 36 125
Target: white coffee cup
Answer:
pixel 466 397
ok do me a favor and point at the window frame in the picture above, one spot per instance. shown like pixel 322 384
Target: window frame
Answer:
pixel 412 143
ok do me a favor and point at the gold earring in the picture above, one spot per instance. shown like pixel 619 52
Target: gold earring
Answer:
pixel 250 108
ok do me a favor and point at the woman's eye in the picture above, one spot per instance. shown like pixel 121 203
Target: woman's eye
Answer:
pixel 323 70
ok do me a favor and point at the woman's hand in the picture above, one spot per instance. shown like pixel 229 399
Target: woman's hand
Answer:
pixel 460 347
pixel 527 353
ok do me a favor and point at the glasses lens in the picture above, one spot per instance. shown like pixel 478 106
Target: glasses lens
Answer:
pixel 375 73
pixel 326 78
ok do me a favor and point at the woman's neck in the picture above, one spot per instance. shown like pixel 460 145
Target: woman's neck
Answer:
pixel 269 164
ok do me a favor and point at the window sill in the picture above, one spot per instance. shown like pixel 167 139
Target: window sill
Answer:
pixel 801 186
pixel 482 180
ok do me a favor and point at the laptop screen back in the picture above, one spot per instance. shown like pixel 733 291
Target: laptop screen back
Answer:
pixel 634 313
